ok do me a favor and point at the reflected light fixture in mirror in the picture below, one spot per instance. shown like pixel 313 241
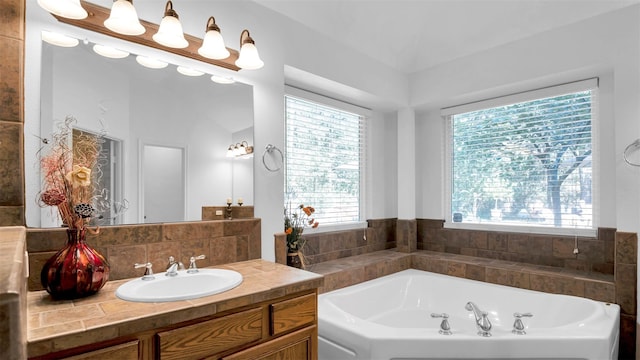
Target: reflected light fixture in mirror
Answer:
pixel 242 149
pixel 70 9
pixel 222 79
pixel 188 71
pixel 123 19
pixel 109 52
pixel 249 58
pixel 213 43
pixel 59 39
pixel 170 33
pixel 151 63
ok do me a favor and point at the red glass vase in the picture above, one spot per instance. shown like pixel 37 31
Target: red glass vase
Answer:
pixel 75 271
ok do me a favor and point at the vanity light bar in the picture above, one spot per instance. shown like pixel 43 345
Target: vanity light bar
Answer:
pixel 98 14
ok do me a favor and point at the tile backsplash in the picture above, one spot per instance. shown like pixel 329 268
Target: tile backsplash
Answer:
pixel 220 241
pixel 596 254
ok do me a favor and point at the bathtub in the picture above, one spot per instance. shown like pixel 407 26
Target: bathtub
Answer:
pixel 390 318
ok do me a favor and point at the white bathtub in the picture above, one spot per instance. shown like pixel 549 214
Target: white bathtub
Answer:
pixel 390 318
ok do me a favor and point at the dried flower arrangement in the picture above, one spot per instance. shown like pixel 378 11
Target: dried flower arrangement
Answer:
pixel 70 172
pixel 295 221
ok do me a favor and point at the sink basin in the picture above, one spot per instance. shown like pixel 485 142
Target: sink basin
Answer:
pixel 183 286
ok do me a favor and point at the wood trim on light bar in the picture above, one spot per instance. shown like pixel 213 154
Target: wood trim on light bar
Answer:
pixel 98 14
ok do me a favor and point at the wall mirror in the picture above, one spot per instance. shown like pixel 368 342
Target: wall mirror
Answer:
pixel 139 108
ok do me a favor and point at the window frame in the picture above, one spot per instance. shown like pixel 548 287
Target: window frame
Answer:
pixel 291 91
pixel 551 91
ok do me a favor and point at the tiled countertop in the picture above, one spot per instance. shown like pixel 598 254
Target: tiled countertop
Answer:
pixel 63 324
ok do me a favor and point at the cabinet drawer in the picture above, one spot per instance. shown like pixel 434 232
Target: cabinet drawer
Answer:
pixel 293 313
pixel 126 351
pixel 211 337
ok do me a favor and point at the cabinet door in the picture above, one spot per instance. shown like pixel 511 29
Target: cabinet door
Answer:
pixel 299 345
pixel 211 337
pixel 126 351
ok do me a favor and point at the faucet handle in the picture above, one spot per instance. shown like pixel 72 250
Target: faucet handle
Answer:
pixel 445 328
pixel 518 326
pixel 192 263
pixel 148 273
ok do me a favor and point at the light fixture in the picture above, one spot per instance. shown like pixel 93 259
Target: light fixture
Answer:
pixel 70 9
pixel 170 31
pixel 59 39
pixel 188 71
pixel 248 58
pixel 109 52
pixel 222 80
pixel 213 43
pixel 151 63
pixel 242 149
pixel 124 19
pixel 167 36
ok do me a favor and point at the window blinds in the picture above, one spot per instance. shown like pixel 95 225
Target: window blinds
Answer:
pixel 524 163
pixel 324 160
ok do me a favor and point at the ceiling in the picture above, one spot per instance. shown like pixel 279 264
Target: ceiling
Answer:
pixel 413 35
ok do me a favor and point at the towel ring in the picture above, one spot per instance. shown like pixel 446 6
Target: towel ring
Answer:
pixel 633 146
pixel 269 149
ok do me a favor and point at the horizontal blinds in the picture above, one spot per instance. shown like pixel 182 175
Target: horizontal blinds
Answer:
pixel 324 158
pixel 527 162
pixel 568 88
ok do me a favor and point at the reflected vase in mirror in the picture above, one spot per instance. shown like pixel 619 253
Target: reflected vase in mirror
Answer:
pixel 76 271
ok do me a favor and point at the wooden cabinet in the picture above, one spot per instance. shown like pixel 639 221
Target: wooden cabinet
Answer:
pixel 126 351
pixel 285 328
pixel 279 329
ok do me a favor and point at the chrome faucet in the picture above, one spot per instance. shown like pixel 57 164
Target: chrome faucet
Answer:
pixel 173 267
pixel 482 319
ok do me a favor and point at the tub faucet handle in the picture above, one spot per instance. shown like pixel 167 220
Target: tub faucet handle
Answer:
pixel 148 273
pixel 192 263
pixel 445 328
pixel 518 326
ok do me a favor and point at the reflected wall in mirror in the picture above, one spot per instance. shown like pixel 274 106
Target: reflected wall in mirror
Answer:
pixel 137 106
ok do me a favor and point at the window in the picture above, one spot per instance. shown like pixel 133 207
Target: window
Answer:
pixel 324 162
pixel 524 162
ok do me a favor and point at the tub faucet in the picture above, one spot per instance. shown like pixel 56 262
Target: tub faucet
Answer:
pixel 482 319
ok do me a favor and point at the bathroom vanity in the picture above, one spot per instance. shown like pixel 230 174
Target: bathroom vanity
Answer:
pixel 272 314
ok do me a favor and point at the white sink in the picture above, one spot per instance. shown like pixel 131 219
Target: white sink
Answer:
pixel 183 286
